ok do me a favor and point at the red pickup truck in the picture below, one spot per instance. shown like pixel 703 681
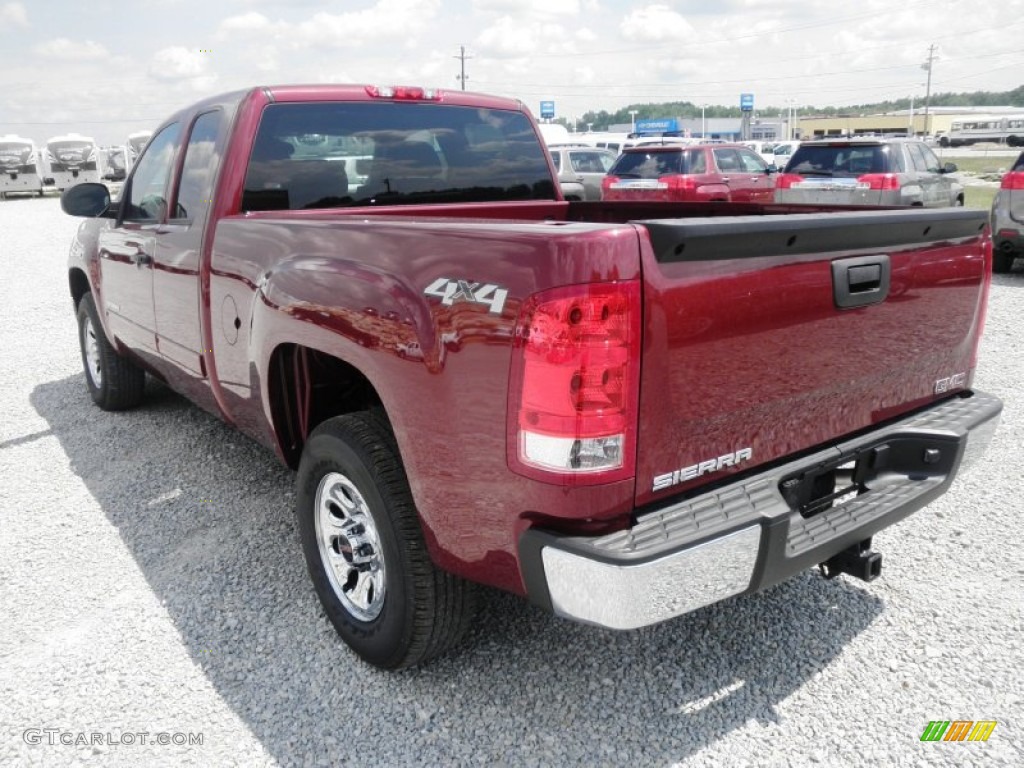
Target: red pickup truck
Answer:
pixel 623 411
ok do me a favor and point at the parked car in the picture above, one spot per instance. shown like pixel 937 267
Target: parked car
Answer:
pixel 702 172
pixel 783 150
pixel 868 171
pixel 766 149
pixel 581 170
pixel 1008 218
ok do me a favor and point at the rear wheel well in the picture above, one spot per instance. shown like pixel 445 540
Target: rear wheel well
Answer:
pixel 79 285
pixel 306 387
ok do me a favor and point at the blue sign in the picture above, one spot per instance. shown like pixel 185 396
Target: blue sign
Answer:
pixel 547 109
pixel 662 125
pixel 746 101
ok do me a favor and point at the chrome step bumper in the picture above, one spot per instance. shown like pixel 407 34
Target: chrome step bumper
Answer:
pixel 746 536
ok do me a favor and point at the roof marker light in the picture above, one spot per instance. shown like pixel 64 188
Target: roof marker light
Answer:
pixel 403 92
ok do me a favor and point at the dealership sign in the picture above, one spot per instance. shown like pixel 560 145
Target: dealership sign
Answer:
pixel 664 125
pixel 547 109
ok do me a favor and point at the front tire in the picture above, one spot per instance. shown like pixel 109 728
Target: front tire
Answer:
pixel 115 382
pixel 1003 262
pixel 365 550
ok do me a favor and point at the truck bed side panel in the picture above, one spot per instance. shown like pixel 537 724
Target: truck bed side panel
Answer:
pixel 354 289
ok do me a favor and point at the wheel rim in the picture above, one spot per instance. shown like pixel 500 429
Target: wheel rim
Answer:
pixel 349 545
pixel 91 350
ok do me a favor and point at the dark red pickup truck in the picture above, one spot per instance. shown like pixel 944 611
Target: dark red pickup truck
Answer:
pixel 623 411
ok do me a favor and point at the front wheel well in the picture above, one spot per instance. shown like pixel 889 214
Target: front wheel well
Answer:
pixel 306 387
pixel 79 285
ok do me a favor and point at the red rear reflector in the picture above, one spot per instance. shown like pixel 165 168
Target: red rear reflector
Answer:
pixel 575 380
pixel 1013 180
pixel 880 181
pixel 1008 234
pixel 403 92
pixel 787 180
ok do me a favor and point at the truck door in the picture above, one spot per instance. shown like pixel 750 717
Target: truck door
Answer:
pixel 178 247
pixel 126 249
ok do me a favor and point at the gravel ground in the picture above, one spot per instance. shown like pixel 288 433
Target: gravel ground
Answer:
pixel 151 581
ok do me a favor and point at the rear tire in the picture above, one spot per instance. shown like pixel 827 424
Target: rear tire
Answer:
pixel 365 550
pixel 115 382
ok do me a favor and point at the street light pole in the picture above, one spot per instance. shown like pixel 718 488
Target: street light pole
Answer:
pixel 703 122
pixel 632 120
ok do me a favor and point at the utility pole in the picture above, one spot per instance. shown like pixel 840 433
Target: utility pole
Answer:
pixel 462 77
pixel 928 88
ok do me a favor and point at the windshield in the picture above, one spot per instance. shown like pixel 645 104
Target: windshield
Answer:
pixel 386 153
pixel 17 152
pixel 137 143
pixel 839 160
pixel 649 165
pixel 72 146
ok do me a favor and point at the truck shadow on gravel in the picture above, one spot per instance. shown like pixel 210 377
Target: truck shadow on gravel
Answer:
pixel 208 517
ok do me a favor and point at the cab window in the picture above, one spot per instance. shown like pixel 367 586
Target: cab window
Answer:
pixel 200 164
pixel 147 194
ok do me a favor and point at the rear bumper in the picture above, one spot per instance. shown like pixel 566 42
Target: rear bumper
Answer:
pixel 746 536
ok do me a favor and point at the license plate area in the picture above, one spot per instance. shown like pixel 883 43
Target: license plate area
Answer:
pixel 832 484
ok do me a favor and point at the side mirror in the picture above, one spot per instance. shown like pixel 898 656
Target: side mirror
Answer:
pixel 772 168
pixel 87 199
pixel 949 168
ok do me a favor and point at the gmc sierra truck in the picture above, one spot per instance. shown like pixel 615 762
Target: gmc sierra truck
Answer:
pixel 622 411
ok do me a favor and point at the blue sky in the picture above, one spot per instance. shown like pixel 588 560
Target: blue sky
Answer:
pixel 107 68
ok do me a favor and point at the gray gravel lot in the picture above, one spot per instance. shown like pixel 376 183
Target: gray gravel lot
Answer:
pixel 151 581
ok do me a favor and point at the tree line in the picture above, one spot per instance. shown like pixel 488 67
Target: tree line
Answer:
pixel 602 119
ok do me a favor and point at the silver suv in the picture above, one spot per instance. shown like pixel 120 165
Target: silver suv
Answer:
pixel 580 170
pixel 1008 219
pixel 867 171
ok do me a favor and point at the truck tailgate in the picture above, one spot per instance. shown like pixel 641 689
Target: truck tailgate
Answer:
pixel 766 336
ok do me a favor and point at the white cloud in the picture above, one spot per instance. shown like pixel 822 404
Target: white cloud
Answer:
pixel 656 23
pixel 528 7
pixel 245 22
pixel 176 63
pixel 509 37
pixel 387 20
pixel 71 50
pixel 14 13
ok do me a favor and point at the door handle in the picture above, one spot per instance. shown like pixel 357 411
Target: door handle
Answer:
pixel 140 258
pixel 861 280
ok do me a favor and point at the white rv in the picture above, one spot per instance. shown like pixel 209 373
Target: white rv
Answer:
pixel 73 159
pixel 20 170
pixel 136 143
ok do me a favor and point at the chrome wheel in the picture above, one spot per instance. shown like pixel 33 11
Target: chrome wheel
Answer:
pixel 346 536
pixel 91 350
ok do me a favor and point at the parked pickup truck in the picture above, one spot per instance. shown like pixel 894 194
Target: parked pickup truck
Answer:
pixel 622 411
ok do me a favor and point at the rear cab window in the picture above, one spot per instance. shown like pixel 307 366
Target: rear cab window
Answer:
pixel 335 155
pixel 840 160
pixel 650 165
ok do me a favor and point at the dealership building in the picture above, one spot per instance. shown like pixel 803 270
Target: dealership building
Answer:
pixel 905 122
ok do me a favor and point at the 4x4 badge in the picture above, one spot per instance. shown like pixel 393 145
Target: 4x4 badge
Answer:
pixel 450 291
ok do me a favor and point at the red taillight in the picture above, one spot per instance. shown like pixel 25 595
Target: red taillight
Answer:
pixel 574 385
pixel 403 92
pixel 879 181
pixel 787 180
pixel 607 181
pixel 1013 180
pixel 679 183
